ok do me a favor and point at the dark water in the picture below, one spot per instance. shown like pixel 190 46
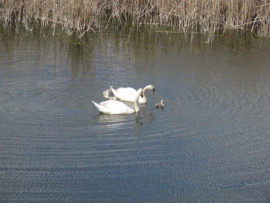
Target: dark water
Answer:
pixel 210 143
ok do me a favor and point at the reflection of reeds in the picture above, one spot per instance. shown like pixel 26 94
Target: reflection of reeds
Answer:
pixel 207 16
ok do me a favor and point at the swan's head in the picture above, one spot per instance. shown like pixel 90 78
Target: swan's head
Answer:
pixel 151 87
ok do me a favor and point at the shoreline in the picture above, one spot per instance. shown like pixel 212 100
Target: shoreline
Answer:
pixel 186 16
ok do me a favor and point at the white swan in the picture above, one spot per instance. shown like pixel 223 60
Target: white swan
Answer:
pixel 129 94
pixel 117 107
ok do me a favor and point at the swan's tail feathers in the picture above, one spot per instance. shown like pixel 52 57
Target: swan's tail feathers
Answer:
pixel 100 108
pixel 97 106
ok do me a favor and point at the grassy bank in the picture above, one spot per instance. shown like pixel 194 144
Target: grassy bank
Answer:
pixel 206 16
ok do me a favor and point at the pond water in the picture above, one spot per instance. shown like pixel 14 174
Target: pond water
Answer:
pixel 210 142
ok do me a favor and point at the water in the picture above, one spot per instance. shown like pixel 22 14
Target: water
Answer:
pixel 210 143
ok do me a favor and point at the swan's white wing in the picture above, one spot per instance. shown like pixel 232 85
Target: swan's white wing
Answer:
pixel 113 107
pixel 125 94
pixel 114 104
pixel 127 90
pixel 129 94
pixel 101 109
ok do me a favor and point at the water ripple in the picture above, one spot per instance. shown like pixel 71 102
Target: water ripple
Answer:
pixel 210 141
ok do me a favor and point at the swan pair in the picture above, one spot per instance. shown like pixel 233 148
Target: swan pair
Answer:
pixel 125 94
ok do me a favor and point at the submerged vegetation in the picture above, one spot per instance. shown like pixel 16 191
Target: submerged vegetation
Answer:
pixel 81 16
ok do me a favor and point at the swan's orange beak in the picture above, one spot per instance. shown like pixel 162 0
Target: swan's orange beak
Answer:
pixel 154 91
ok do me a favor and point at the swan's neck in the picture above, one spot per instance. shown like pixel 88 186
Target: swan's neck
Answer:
pixel 143 95
pixel 136 103
pixel 136 106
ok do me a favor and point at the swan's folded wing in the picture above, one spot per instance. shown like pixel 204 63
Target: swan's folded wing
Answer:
pixel 102 108
pixel 113 104
pixel 127 90
pixel 125 94
pixel 113 107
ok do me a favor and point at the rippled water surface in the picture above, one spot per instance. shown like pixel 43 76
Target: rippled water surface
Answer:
pixel 210 142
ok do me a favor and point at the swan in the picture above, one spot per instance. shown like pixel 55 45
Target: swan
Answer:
pixel 117 107
pixel 129 94
pixel 160 104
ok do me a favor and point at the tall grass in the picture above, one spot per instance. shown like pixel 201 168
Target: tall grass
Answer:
pixel 206 16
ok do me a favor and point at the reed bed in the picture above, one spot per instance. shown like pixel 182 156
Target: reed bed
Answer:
pixel 81 16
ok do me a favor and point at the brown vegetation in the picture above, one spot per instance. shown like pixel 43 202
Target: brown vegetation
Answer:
pixel 206 16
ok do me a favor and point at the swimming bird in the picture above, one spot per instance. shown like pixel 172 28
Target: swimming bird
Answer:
pixel 160 104
pixel 117 107
pixel 129 93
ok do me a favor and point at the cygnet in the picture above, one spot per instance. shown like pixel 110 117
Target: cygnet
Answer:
pixel 160 104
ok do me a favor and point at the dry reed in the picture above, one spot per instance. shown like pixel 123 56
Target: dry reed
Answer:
pixel 206 16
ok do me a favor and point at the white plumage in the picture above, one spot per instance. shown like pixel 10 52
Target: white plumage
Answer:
pixel 129 94
pixel 117 107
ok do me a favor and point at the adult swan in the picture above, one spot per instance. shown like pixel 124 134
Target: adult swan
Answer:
pixel 129 94
pixel 117 107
